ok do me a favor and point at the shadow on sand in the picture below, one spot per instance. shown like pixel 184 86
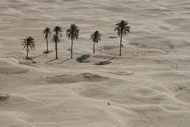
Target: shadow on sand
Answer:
pixel 82 58
pixel 44 53
pixel 51 60
pixel 104 62
pixel 63 61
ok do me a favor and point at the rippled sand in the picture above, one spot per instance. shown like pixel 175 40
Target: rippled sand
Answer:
pixel 149 86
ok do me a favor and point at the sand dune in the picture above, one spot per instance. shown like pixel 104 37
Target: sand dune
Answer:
pixel 75 78
pixel 149 86
pixel 8 68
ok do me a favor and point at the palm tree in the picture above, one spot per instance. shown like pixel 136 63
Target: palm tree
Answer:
pixel 46 33
pixel 56 38
pixel 95 37
pixel 72 33
pixel 122 28
pixel 27 43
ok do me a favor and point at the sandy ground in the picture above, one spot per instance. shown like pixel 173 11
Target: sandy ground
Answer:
pixel 149 86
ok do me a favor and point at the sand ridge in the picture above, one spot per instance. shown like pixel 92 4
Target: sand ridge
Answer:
pixel 148 86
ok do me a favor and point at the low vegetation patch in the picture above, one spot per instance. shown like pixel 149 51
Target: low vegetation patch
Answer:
pixel 82 58
pixel 75 78
pixel 4 97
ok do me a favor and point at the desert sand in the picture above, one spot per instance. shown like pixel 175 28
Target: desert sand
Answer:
pixel 149 86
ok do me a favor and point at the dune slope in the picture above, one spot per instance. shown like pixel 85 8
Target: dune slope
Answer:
pixel 149 86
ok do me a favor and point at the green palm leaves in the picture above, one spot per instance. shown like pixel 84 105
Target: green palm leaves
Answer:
pixel 72 33
pixel 28 43
pixel 95 37
pixel 47 33
pixel 122 28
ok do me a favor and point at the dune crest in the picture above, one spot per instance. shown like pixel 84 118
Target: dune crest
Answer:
pixel 148 86
pixel 83 77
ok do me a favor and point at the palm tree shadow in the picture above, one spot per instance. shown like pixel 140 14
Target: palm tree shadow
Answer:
pixel 50 61
pixel 105 62
pixel 45 52
pixel 31 59
pixel 63 61
pixel 37 56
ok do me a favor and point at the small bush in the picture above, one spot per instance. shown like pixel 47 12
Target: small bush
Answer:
pixel 4 97
pixel 82 58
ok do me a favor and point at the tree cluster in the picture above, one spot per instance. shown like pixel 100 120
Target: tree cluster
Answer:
pixel 72 33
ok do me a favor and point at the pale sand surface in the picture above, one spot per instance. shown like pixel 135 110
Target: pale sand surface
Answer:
pixel 149 86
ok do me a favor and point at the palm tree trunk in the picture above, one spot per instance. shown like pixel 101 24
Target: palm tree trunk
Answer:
pixel 120 44
pixel 27 52
pixel 71 48
pixel 56 55
pixel 94 47
pixel 47 45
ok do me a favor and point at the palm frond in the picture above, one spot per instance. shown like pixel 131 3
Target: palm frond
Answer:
pixel 55 38
pixel 46 32
pixel 57 29
pixel 122 28
pixel 73 32
pixel 28 41
pixel 96 36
